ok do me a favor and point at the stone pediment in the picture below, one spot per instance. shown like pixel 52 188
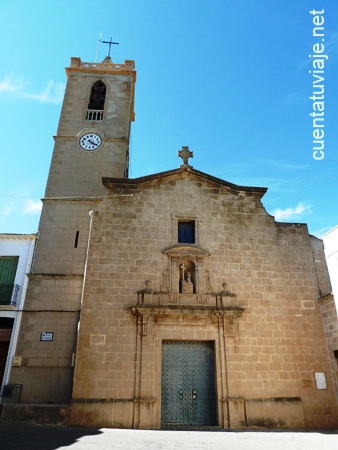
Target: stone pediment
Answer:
pixel 184 171
pixel 182 250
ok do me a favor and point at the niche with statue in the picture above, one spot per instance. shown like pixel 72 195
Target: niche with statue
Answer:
pixel 187 277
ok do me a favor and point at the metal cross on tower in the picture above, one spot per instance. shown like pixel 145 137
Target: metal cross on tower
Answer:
pixel 110 43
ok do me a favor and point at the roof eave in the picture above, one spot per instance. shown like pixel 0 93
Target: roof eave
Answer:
pixel 133 183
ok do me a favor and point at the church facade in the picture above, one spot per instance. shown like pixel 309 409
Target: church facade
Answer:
pixel 170 300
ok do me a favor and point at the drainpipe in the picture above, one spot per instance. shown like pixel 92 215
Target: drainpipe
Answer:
pixel 91 214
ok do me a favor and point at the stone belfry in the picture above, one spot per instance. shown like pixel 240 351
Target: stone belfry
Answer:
pixel 92 142
pixel 93 134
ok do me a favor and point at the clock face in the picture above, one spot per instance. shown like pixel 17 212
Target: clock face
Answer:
pixel 90 141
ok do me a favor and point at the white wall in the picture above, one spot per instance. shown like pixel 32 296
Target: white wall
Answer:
pixel 330 240
pixel 21 245
pixel 18 245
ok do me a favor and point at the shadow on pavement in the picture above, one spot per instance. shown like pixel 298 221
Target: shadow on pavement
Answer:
pixel 16 436
pixel 19 436
pixel 254 430
pixel 285 430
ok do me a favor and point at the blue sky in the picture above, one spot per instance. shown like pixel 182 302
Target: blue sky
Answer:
pixel 228 78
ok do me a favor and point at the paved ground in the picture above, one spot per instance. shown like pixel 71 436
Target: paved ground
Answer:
pixel 30 437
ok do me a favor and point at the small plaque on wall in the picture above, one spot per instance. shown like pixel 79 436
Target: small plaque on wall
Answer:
pixel 17 360
pixel 47 336
pixel 320 380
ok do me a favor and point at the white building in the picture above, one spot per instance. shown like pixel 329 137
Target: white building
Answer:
pixel 331 252
pixel 16 253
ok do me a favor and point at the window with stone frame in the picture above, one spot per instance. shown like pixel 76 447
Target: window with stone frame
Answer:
pixel 186 232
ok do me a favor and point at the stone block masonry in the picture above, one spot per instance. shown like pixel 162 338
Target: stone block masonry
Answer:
pixel 270 351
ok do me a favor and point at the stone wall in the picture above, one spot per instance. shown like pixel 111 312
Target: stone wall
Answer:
pixel 270 351
pixel 46 369
pixel 73 189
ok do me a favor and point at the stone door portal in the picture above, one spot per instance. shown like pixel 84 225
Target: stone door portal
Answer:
pixel 188 384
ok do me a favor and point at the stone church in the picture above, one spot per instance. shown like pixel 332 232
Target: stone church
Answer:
pixel 169 300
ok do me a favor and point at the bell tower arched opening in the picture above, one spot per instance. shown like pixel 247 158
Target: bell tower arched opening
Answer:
pixel 96 101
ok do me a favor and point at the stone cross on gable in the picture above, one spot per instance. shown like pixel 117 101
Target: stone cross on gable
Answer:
pixel 185 154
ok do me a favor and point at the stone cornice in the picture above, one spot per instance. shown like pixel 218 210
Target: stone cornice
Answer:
pixel 73 199
pixel 134 183
pixel 231 312
pixel 107 66
pixel 22 237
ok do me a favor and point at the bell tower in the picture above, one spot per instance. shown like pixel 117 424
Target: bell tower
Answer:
pixel 92 142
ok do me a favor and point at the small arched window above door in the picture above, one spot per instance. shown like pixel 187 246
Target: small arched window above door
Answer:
pixel 96 102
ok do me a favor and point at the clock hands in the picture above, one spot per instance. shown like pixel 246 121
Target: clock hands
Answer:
pixel 90 141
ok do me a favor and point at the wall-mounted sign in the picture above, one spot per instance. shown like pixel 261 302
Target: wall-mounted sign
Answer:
pixel 320 380
pixel 17 360
pixel 47 336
